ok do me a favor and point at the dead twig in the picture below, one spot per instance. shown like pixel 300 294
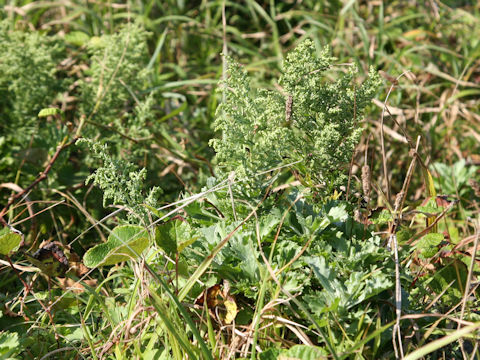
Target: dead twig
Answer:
pixel 43 175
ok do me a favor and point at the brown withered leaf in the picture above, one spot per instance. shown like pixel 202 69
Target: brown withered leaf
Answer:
pixel 74 286
pixel 211 295
pixel 50 259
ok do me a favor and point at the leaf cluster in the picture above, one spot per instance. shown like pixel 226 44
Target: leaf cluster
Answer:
pixel 122 183
pixel 342 268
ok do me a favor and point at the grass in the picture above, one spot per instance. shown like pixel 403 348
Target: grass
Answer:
pixel 420 143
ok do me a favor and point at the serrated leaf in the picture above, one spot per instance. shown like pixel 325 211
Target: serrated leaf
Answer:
pixel 9 241
pixel 9 340
pixel 9 345
pixel 124 243
pixel 338 213
pixel 321 271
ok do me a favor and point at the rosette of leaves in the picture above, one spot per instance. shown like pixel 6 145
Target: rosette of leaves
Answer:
pixel 314 123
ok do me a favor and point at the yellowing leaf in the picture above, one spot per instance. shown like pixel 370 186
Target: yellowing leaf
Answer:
pixel 232 311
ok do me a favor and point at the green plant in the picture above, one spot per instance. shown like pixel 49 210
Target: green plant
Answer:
pixel 313 125
pixel 122 184
pixel 29 81
pixel 292 266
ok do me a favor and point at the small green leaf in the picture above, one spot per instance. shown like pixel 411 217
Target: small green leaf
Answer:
pixel 49 112
pixel 430 207
pixel 427 246
pixel 77 38
pixel 124 243
pixel 9 241
pixel 154 211
pixel 383 217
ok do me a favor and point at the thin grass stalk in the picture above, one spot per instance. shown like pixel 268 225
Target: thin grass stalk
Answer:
pixel 393 242
pixel 258 313
pixel 469 280
pixel 88 336
pixel 181 309
pixel 440 343
pixel 398 301
pixel 162 312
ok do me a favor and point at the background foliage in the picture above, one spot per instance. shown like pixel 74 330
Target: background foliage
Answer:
pixel 307 268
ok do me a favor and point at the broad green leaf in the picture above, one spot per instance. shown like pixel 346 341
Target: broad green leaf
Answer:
pixel 124 243
pixel 165 238
pixel 9 241
pixel 174 236
pixel 338 213
pixel 270 222
pixel 303 352
pixel 322 272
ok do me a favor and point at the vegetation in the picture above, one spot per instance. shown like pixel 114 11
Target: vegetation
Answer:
pixel 239 180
